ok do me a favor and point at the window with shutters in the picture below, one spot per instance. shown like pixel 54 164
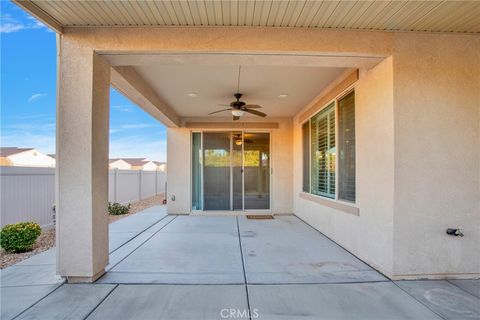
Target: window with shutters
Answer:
pixel 325 169
pixel 346 147
pixel 322 129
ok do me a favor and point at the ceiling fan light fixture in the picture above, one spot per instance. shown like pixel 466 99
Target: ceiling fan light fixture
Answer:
pixel 238 113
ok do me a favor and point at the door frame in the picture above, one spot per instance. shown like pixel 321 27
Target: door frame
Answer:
pixel 229 212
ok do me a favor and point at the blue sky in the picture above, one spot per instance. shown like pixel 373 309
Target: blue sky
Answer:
pixel 28 95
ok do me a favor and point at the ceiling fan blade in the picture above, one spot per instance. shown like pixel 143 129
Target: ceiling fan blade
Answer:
pixel 252 106
pixel 235 118
pixel 255 112
pixel 219 111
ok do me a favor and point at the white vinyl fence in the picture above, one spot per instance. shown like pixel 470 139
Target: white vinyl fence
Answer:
pixel 28 194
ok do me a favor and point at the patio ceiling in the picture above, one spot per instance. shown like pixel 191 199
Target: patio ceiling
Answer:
pixel 196 90
pixel 429 16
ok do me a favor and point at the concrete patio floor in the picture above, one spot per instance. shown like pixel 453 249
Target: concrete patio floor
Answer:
pixel 219 267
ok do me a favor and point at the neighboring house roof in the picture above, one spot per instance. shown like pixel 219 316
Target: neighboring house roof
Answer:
pixel 53 155
pixel 137 162
pixel 131 161
pixel 8 151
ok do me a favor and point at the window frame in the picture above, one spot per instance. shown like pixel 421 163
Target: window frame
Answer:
pixel 309 121
pixel 309 158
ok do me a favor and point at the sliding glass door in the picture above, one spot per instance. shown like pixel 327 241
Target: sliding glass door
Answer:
pixel 256 165
pixel 230 171
pixel 216 170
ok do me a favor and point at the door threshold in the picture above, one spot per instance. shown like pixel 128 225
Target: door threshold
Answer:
pixel 260 216
pixel 231 213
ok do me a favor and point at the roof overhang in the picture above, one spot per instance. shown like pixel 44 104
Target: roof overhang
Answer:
pixel 417 16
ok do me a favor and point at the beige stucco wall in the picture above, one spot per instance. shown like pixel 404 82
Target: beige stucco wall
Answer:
pixel 228 39
pixel 368 235
pixel 179 168
pixel 437 163
pixel 418 162
pixel 82 163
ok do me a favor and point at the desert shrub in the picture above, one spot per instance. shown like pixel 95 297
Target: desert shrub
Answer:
pixel 19 237
pixel 117 208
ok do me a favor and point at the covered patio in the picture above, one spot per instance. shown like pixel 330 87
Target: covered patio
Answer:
pixel 237 250
pixel 197 267
pixel 361 126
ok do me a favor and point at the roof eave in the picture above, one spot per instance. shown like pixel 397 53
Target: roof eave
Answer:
pixel 41 15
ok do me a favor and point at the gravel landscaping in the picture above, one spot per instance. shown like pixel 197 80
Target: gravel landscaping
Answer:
pixel 139 206
pixel 47 238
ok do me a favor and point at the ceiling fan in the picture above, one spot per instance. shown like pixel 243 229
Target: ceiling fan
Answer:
pixel 238 108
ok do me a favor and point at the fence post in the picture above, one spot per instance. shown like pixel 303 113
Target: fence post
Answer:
pixel 139 185
pixel 115 184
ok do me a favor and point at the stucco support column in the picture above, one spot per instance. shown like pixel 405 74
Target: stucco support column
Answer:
pixel 82 162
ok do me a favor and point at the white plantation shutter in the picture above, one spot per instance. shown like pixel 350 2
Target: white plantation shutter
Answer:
pixel 323 152
pixel 346 147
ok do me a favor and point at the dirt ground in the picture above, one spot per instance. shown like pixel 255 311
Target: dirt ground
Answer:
pixel 47 238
